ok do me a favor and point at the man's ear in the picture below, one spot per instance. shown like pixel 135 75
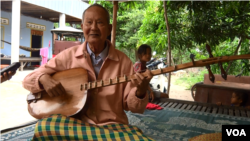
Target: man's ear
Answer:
pixel 82 25
pixel 110 28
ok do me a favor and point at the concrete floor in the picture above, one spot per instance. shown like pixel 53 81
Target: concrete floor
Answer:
pixel 13 110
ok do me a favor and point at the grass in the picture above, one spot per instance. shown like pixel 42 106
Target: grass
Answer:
pixel 188 80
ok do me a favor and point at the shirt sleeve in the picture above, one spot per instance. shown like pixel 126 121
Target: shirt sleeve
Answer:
pixel 31 81
pixel 131 101
pixel 137 67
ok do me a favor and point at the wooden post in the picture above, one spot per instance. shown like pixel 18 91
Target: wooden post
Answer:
pixel 115 8
pixel 169 47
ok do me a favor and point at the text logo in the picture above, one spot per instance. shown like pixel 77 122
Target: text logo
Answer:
pixel 238 132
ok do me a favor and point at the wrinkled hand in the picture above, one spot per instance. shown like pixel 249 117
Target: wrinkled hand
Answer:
pixel 7 76
pixel 142 83
pixel 51 86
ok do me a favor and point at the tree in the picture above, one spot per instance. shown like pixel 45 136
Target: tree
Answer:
pixel 129 17
pixel 169 44
pixel 193 25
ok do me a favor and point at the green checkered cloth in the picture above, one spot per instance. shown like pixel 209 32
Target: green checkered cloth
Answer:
pixel 61 128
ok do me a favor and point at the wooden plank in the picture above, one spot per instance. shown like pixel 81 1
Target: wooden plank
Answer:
pixel 189 107
pixel 174 105
pixel 237 112
pixel 243 113
pixel 248 113
pixel 198 108
pixel 220 111
pixel 203 109
pixel 225 111
pixel 170 104
pixel 183 106
pixel 231 112
pixel 161 103
pixel 208 110
pixel 165 104
pixel 178 105
pixel 215 109
pixel 193 107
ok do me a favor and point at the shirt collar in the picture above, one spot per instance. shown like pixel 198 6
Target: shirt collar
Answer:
pixel 112 52
pixel 103 54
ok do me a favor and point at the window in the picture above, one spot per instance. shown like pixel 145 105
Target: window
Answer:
pixel 2 37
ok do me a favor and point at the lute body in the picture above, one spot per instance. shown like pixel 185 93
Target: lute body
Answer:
pixel 68 104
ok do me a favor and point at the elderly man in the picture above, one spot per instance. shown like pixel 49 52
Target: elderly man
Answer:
pixel 105 106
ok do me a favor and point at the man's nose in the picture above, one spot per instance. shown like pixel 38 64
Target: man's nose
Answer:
pixel 94 25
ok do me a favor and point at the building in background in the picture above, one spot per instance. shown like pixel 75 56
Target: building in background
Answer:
pixel 29 23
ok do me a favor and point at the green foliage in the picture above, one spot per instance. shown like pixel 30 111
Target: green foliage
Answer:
pixel 189 80
pixel 227 48
pixel 129 19
pixel 215 22
pixel 193 24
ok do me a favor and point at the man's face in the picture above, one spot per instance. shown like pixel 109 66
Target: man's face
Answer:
pixel 95 27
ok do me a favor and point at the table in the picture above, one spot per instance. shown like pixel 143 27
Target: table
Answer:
pixel 25 60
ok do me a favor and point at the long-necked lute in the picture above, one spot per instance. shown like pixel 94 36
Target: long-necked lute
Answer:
pixel 75 82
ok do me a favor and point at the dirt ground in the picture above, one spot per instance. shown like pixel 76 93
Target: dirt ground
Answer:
pixel 13 110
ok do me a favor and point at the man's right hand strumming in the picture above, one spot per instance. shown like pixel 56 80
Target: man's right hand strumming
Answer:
pixel 51 86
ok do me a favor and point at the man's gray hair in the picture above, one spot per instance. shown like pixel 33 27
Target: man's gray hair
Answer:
pixel 108 16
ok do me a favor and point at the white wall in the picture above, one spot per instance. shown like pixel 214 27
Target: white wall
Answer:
pixel 25 33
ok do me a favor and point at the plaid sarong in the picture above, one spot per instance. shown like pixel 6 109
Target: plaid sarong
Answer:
pixel 59 127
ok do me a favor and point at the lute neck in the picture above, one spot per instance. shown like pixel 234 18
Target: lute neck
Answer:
pixel 201 63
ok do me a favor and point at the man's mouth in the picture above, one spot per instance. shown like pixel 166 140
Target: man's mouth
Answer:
pixel 94 34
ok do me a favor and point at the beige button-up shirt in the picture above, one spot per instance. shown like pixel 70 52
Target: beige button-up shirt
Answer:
pixel 105 105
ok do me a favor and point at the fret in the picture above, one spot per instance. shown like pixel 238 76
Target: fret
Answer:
pixel 86 86
pixel 110 81
pixel 81 87
pixel 102 82
pixel 117 79
pixel 90 85
pixel 95 84
pixel 125 77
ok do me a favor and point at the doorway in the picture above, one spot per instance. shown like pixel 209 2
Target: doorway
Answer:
pixel 36 42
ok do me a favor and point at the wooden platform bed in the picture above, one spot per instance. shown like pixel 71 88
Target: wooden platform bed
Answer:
pixel 179 120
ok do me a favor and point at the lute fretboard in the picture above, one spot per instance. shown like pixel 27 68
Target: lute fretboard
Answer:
pixel 200 63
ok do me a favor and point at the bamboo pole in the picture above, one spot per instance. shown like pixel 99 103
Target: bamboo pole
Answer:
pixel 169 47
